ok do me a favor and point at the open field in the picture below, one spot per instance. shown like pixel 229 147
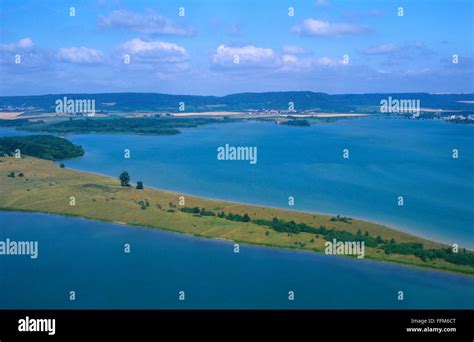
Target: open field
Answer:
pixel 327 115
pixel 44 187
pixel 9 115
pixel 217 113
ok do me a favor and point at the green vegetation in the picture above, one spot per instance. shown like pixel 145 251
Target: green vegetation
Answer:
pixel 49 188
pixel 417 249
pixel 390 247
pixel 124 179
pixel 189 210
pixel 197 211
pixel 305 100
pixel 152 126
pixel 329 234
pixel 144 204
pixel 234 217
pixel 296 122
pixel 40 146
pixel 338 218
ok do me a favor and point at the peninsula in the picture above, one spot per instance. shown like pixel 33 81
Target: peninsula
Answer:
pixel 33 184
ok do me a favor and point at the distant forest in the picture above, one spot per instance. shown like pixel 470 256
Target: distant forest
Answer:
pixel 302 100
pixel 150 126
pixel 40 146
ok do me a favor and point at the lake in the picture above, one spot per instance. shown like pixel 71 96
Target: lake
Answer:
pixel 88 257
pixel 387 159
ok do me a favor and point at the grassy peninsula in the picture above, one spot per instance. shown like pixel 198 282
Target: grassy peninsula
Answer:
pixel 32 184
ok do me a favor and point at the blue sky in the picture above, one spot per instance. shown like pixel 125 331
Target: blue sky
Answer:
pixel 222 47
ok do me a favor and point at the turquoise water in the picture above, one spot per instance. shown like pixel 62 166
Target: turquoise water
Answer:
pixel 388 158
pixel 87 257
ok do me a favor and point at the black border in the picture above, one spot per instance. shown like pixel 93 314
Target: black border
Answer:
pixel 169 325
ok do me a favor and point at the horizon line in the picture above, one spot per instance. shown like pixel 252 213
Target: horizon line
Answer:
pixel 244 92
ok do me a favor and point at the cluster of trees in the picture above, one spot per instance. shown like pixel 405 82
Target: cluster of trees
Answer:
pixel 154 126
pixel 125 181
pixel 144 204
pixel 197 211
pixel 283 226
pixel 40 146
pixel 190 210
pixel 338 218
pixel 292 227
pixel 390 247
pixel 407 248
pixel 368 240
pixel 295 122
pixel 463 257
pixel 234 217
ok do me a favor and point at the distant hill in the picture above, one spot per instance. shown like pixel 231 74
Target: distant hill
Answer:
pixel 303 101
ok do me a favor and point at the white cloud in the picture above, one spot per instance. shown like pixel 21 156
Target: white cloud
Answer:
pixel 294 64
pixel 22 44
pixel 31 55
pixel 80 55
pixel 147 23
pixel 325 61
pixel 154 51
pixel 293 49
pixel 247 56
pixel 25 43
pixel 268 61
pixel 320 28
pixel 289 59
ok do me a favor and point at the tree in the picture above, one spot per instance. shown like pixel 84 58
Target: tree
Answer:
pixel 124 178
pixel 139 185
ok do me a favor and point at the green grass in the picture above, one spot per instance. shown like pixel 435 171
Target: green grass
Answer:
pixel 48 188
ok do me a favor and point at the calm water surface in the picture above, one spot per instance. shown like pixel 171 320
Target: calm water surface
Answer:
pixel 388 158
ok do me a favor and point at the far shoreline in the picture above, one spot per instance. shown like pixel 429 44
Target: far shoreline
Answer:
pixel 368 219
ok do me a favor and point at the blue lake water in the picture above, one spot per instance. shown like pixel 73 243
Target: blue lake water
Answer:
pixel 87 257
pixel 388 158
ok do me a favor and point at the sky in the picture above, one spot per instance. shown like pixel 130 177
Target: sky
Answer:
pixel 218 47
